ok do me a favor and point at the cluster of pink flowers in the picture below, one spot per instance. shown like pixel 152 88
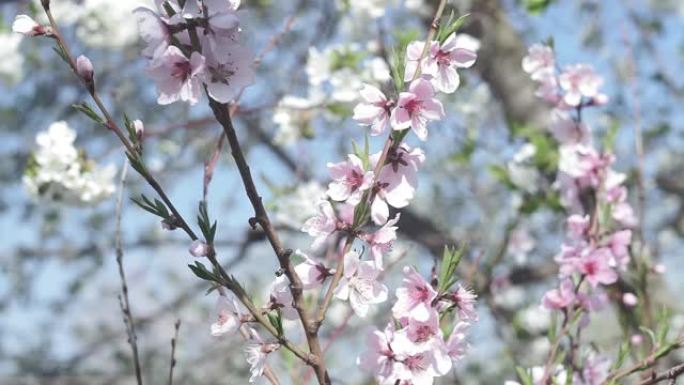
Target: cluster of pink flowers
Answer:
pixel 600 219
pixel 193 45
pixel 414 349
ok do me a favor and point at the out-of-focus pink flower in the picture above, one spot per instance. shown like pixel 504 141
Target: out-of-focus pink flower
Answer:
pixel 350 180
pixel 229 315
pixel 381 241
pixel 280 297
pixel 374 110
pixel 85 69
pixel 465 299
pixel 457 346
pixel 414 297
pixel 228 74
pixel 153 30
pixel 540 60
pixel 416 107
pixel 360 284
pixel 25 25
pixel 636 339
pixel 578 226
pixel 659 268
pixel 566 130
pixel 618 243
pixel 257 352
pixel 560 298
pixel 595 265
pixel 595 371
pixel 177 77
pixel 624 214
pixel 629 299
pixel 579 81
pixel 311 272
pixel 379 358
pixel 199 249
pixel 322 225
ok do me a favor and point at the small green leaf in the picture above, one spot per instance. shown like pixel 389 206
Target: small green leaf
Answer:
pixel 89 112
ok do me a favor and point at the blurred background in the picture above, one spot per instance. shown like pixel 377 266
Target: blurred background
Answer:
pixel 487 181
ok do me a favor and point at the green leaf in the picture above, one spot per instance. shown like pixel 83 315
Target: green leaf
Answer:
pixel 201 272
pixel 89 112
pixel 451 257
pixel 277 321
pixel 524 376
pixel 536 7
pixel 451 26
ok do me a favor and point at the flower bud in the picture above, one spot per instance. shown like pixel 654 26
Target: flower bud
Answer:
pixel 199 249
pixel 139 128
pixel 659 269
pixel 85 70
pixel 629 299
pixel 25 25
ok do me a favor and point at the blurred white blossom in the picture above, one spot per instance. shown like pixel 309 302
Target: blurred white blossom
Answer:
pixel 58 173
pixel 12 60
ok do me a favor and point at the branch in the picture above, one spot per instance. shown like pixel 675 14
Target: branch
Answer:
pixel 174 340
pixel 124 301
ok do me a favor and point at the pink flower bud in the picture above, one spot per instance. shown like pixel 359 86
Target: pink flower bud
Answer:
pixel 659 269
pixel 636 339
pixel 629 299
pixel 85 68
pixel 139 128
pixel 25 25
pixel 199 249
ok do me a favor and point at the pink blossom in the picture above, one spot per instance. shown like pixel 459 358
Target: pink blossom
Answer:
pixel 629 299
pixel 25 25
pixel 579 81
pixel 280 297
pixel 415 108
pixel 624 214
pixel 397 181
pixel 350 180
pixel 379 358
pixel 441 60
pixel 659 269
pixel 464 299
pixel 560 298
pixel 540 60
pixel 177 77
pixel 322 225
pixel 578 226
pixel 381 241
pixel 567 130
pixel 457 346
pixel 359 284
pixel 414 297
pixel 257 352
pixel 223 24
pixel 311 272
pixel 374 111
pixel 199 249
pixel 426 337
pixel 228 74
pixel 85 69
pixel 417 363
pixel 618 243
pixel 584 164
pixel 595 265
pixel 595 371
pixel 153 30
pixel 229 315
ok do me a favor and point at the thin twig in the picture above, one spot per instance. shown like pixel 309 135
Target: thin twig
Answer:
pixel 124 301
pixel 174 341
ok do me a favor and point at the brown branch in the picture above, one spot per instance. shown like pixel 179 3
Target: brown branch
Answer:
pixel 672 374
pixel 123 298
pixel 174 341
pixel 222 114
